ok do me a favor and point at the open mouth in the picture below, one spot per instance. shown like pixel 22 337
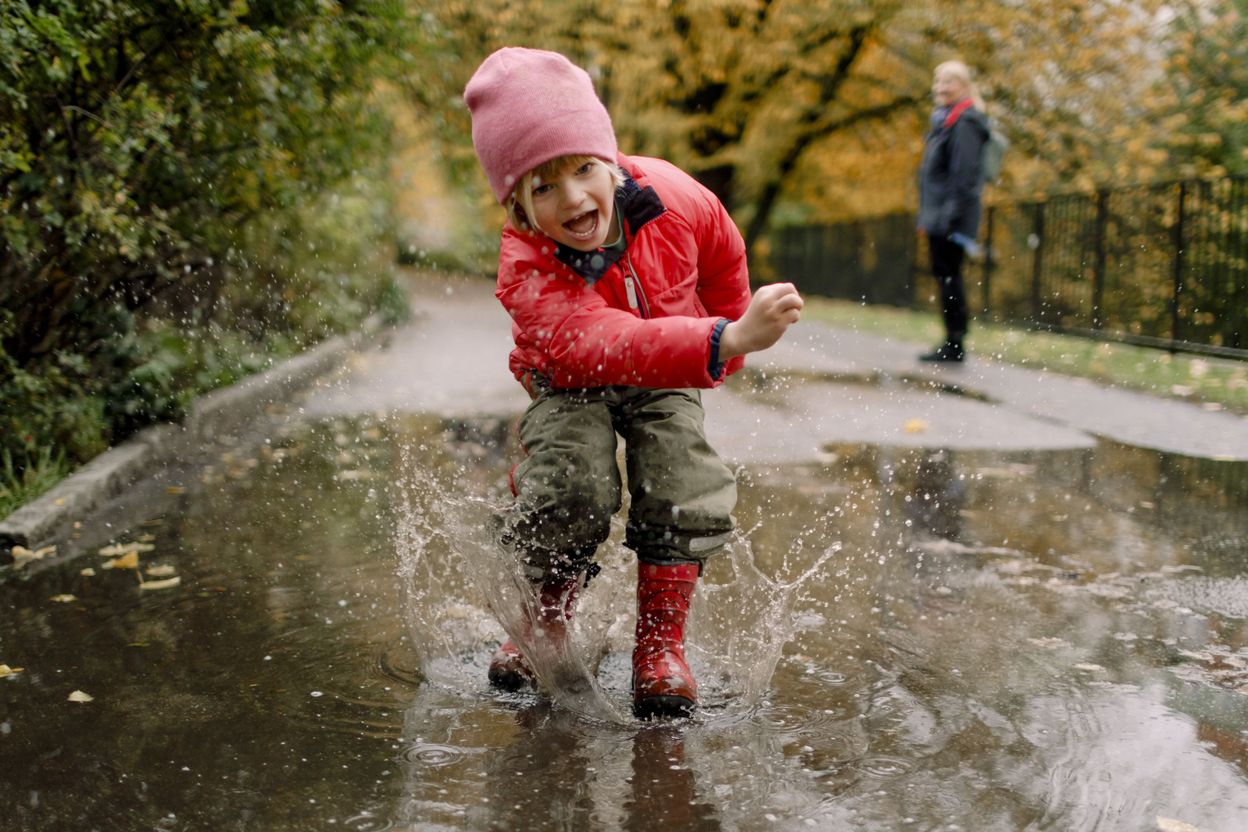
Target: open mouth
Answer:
pixel 583 226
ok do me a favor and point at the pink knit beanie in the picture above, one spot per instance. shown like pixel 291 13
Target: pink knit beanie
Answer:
pixel 530 106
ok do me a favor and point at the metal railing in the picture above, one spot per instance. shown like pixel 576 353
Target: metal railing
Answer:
pixel 1162 265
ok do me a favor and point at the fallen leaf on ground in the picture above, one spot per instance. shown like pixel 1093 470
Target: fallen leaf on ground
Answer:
pixel 87 573
pixel 130 561
pixel 915 426
pixel 1089 667
pixel 163 570
pixel 167 583
pixel 23 556
pixel 5 670
pixel 79 696
pixel 64 598
pixel 1172 825
pixel 125 549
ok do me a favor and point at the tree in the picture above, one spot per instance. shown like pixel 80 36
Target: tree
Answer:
pixel 764 101
pixel 142 142
pixel 1202 99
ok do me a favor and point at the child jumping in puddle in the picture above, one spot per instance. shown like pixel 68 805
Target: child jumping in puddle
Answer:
pixel 627 286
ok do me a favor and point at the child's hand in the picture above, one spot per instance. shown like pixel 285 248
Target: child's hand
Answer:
pixel 772 309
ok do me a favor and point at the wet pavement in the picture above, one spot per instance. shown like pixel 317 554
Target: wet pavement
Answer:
pixel 949 607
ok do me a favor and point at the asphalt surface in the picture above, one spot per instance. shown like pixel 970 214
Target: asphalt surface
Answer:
pixel 818 388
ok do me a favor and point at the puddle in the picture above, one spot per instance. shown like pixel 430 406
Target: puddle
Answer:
pixel 902 637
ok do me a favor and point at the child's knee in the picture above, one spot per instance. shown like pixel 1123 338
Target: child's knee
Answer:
pixel 563 514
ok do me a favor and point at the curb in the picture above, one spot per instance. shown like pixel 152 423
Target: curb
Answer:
pixel 41 521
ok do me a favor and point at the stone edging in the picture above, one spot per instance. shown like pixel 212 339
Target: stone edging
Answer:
pixel 43 520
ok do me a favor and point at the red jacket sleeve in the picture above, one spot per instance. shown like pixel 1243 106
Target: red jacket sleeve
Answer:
pixel 724 276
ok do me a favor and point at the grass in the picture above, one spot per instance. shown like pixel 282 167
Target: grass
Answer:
pixel 1213 382
pixel 35 478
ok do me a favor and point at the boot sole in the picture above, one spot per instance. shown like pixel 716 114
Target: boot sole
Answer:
pixel 663 707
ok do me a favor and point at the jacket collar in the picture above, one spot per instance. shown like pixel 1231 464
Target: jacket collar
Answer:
pixel 637 206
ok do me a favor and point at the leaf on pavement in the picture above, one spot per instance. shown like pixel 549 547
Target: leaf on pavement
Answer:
pixel 23 556
pixel 167 583
pixel 125 549
pixel 79 696
pixel 64 598
pixel 5 670
pixel 162 570
pixel 915 426
pixel 1172 825
pixel 129 561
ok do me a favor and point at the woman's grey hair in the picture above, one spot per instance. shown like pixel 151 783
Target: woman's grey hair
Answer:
pixel 962 72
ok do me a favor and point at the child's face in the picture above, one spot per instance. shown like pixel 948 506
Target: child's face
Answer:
pixel 576 207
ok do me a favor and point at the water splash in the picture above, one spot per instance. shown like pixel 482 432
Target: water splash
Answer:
pixel 753 617
pixel 464 593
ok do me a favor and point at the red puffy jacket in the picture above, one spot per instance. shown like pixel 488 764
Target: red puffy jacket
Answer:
pixel 578 323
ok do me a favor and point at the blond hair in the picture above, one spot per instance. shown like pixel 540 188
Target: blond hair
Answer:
pixel 962 72
pixel 520 201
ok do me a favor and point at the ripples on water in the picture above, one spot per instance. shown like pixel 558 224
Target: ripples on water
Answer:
pixel 897 640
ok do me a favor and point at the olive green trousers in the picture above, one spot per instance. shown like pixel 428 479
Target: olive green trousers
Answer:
pixel 568 486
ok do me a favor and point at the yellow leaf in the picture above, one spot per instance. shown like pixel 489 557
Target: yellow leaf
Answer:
pixel 87 573
pixel 125 549
pixel 5 670
pixel 160 571
pixel 1172 825
pixel 167 583
pixel 23 556
pixel 130 561
pixel 63 599
pixel 79 696
pixel 915 426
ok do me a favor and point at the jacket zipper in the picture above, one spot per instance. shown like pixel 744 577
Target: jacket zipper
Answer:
pixel 632 288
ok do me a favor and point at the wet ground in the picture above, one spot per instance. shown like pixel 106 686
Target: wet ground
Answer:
pixel 929 621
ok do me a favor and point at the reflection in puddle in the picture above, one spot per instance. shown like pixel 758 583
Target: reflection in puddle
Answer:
pixel 901 638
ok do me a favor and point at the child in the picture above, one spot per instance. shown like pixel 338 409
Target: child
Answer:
pixel 627 286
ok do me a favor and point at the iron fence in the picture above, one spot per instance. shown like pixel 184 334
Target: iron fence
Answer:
pixel 1162 265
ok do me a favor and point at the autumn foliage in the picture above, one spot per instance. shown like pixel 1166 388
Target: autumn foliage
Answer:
pixel 815 110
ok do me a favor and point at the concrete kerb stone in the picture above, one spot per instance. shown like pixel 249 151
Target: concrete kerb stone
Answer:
pixel 42 521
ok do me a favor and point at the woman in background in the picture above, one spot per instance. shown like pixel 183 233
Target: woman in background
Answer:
pixel 950 184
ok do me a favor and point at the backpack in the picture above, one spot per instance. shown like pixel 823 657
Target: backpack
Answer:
pixel 990 155
pixel 993 149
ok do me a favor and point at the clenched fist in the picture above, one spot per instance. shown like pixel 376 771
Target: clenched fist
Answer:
pixel 772 310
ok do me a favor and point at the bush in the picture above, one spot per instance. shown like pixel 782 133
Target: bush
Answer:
pixel 186 191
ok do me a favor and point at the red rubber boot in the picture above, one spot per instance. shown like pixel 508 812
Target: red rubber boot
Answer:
pixel 662 683
pixel 509 670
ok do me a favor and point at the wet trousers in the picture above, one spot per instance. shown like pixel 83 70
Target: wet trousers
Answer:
pixel 946 259
pixel 568 486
